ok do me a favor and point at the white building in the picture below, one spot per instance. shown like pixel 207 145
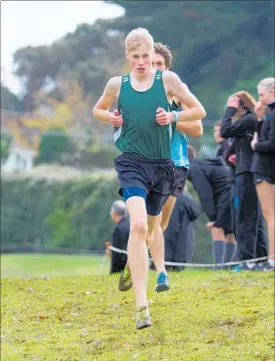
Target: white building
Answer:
pixel 18 160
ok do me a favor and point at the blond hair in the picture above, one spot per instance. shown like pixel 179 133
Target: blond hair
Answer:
pixel 268 84
pixel 247 101
pixel 137 37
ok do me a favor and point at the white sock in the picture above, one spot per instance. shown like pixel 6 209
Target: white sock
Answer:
pixel 271 262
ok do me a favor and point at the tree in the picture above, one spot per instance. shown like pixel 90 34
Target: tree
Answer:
pixel 10 101
pixel 69 109
pixel 217 46
pixel 5 144
pixel 90 54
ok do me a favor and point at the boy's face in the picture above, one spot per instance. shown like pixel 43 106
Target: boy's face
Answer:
pixel 217 134
pixel 140 59
pixel 159 62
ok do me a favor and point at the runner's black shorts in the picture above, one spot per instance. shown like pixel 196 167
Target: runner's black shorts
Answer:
pixel 180 179
pixel 153 179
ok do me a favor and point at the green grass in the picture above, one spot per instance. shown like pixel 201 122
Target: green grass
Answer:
pixel 36 265
pixel 206 316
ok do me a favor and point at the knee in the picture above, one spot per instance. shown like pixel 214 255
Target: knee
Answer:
pixel 218 233
pixel 140 227
pixel 230 238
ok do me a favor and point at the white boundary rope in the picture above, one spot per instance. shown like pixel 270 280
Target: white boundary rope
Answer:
pixel 104 259
pixel 199 265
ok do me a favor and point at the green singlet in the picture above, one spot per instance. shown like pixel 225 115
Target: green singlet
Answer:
pixel 140 133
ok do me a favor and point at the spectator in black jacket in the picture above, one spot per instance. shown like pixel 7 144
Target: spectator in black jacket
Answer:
pixel 211 180
pixel 120 235
pixel 263 165
pixel 226 150
pixel 180 233
pixel 240 122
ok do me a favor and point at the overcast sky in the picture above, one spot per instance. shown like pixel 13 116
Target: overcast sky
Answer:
pixel 42 22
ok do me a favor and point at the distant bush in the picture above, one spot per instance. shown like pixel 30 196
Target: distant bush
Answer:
pixel 72 212
pixel 5 144
pixel 66 209
pixel 52 146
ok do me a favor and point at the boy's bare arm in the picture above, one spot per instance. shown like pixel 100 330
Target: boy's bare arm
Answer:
pixel 101 110
pixel 193 128
pixel 176 88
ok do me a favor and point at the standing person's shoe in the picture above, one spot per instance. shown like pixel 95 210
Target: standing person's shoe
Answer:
pixel 264 266
pixel 162 282
pixel 244 267
pixel 125 280
pixel 143 319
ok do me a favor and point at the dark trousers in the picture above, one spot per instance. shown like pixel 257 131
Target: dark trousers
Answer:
pixel 261 247
pixel 170 253
pixel 118 262
pixel 250 231
pixel 180 249
pixel 233 209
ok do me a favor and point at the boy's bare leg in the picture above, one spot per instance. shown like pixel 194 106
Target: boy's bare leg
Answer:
pixel 137 249
pixel 156 246
pixel 156 242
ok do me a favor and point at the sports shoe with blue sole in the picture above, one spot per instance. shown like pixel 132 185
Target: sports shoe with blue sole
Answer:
pixel 243 267
pixel 162 282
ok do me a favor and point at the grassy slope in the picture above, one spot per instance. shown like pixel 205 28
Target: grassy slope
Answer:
pixel 206 316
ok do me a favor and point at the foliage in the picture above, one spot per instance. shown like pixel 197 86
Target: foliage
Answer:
pixel 95 157
pixel 67 120
pixel 10 101
pixel 70 213
pixel 24 135
pixel 205 316
pixel 71 112
pixel 90 55
pixel 53 146
pixel 5 144
pixel 219 47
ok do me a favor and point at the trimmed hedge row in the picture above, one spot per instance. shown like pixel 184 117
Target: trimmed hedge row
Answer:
pixel 70 213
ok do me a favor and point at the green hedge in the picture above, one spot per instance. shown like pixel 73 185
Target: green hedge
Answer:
pixel 73 213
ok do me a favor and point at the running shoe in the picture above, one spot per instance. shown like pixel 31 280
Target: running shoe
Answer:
pixel 264 266
pixel 162 282
pixel 143 319
pixel 244 267
pixel 125 280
